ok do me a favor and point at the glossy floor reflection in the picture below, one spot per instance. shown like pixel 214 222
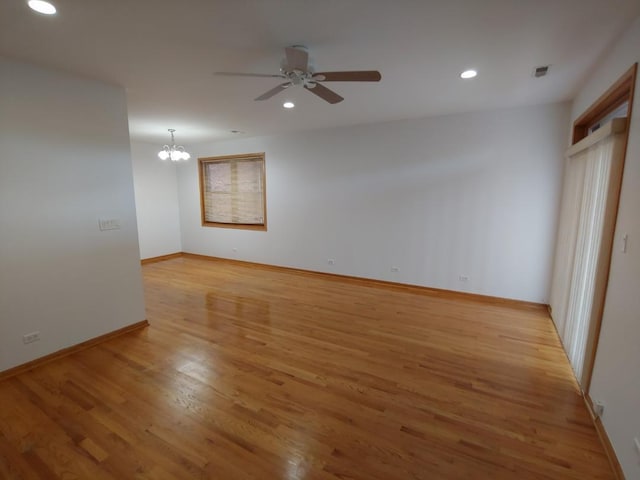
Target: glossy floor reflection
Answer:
pixel 255 373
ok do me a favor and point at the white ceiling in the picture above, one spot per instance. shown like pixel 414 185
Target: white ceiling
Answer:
pixel 165 53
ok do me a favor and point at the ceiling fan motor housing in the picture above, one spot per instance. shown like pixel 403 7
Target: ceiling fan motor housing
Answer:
pixel 296 67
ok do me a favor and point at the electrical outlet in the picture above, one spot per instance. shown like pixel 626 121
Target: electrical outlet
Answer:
pixel 598 409
pixel 234 249
pixel 331 261
pixel 636 442
pixel 395 269
pixel 108 224
pixel 463 278
pixel 31 337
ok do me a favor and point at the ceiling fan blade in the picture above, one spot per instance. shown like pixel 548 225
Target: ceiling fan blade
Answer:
pixel 355 76
pixel 297 59
pixel 325 94
pixel 238 74
pixel 273 91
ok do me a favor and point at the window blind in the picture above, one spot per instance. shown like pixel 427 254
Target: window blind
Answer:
pixel 233 192
pixel 587 220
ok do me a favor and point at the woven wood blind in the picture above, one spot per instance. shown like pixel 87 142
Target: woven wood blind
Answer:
pixel 233 191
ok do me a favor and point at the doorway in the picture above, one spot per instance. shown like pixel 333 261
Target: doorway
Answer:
pixel 593 175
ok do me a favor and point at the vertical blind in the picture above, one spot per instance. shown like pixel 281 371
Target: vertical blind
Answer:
pixel 587 219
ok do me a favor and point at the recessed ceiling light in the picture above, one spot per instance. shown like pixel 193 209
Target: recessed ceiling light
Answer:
pixel 288 105
pixel 468 74
pixel 41 6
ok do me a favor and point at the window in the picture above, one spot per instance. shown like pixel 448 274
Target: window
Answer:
pixel 232 191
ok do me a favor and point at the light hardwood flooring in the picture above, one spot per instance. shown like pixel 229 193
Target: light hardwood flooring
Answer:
pixel 254 373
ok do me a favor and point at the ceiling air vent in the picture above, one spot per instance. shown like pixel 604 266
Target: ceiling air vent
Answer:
pixel 541 71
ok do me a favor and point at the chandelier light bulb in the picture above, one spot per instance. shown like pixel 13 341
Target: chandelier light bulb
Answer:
pixel 173 151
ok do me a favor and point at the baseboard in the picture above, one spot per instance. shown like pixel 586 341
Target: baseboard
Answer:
pixel 437 292
pixel 71 350
pixel 161 258
pixel 604 439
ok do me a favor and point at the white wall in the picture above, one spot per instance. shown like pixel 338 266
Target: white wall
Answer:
pixel 616 375
pixel 471 194
pixel 156 191
pixel 65 162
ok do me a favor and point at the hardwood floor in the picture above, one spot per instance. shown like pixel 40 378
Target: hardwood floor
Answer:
pixel 252 373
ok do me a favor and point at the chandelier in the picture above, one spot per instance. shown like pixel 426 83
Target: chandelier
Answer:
pixel 173 151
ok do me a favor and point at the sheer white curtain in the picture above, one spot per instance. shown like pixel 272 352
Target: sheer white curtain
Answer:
pixel 587 221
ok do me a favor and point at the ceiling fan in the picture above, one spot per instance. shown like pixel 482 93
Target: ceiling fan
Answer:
pixel 295 68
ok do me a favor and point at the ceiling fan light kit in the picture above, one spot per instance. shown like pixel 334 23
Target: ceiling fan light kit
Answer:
pixel 172 151
pixel 297 71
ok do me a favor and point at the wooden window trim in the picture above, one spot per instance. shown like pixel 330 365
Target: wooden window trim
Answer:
pixel 620 92
pixel 242 226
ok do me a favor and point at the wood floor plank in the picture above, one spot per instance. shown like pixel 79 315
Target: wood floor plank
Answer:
pixel 258 373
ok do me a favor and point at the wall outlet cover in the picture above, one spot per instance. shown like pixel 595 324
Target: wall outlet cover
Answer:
pixel 598 409
pixel 108 224
pixel 31 337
